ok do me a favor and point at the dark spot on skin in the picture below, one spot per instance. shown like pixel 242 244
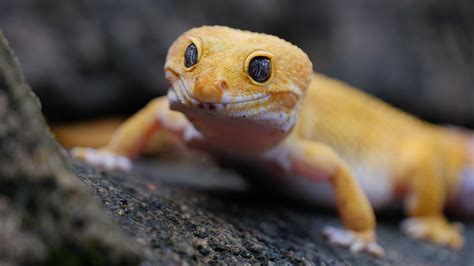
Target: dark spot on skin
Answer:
pixel 201 105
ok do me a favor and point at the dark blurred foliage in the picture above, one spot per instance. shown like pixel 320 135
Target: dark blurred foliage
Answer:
pixel 91 58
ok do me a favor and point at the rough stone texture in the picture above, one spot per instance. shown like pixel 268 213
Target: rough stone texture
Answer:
pixel 109 55
pixel 46 215
pixel 191 212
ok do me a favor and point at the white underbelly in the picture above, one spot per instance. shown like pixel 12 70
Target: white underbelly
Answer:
pixel 377 186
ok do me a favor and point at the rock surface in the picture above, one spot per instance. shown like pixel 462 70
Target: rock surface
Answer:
pixel 46 215
pixel 190 212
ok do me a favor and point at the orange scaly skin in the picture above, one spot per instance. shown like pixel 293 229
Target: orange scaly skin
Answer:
pixel 317 137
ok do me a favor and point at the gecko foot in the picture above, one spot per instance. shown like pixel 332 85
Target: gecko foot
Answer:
pixel 355 241
pixel 102 159
pixel 434 229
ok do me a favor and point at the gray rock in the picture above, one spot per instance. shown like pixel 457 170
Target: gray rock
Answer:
pixel 195 213
pixel 46 215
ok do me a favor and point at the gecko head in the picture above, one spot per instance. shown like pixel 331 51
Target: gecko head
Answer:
pixel 217 71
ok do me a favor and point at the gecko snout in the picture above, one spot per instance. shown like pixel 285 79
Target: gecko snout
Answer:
pixel 209 91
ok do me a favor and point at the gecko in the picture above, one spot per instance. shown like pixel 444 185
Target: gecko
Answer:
pixel 254 98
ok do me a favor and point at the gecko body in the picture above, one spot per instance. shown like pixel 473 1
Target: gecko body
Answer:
pixel 253 98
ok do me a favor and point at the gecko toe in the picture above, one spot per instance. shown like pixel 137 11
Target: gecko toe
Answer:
pixel 102 159
pixel 435 230
pixel 338 236
pixel 375 249
pixel 357 242
pixel 357 247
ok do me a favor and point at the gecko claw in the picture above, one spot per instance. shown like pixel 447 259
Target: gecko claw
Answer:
pixel 435 230
pixel 356 241
pixel 102 159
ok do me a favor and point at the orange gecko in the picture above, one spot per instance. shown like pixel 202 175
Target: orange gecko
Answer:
pixel 253 98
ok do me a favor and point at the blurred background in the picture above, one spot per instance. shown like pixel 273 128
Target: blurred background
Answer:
pixel 88 59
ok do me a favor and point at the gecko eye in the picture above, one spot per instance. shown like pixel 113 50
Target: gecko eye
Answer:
pixel 191 55
pixel 260 68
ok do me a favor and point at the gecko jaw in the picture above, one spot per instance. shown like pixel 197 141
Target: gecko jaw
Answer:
pixel 260 109
pixel 182 93
pixel 185 97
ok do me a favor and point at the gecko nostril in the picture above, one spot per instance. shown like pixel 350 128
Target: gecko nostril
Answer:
pixel 171 75
pixel 221 84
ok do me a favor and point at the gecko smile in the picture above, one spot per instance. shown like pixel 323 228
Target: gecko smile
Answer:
pixel 258 109
pixel 225 100
pixel 262 107
pixel 180 91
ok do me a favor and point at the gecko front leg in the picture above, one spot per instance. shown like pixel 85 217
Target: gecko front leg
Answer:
pixel 320 163
pixel 134 134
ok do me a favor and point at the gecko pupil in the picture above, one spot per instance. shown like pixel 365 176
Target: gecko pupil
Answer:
pixel 190 55
pixel 260 68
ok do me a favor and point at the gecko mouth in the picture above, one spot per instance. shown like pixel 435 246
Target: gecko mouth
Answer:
pixel 256 108
pixel 183 95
